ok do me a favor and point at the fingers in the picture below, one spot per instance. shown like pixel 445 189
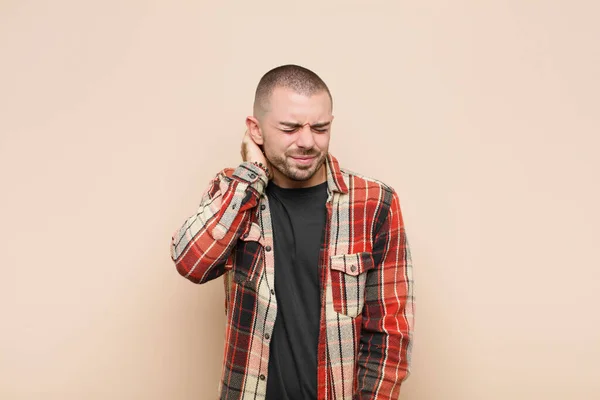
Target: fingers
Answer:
pixel 244 146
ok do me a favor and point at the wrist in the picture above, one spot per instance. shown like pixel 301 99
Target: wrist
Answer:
pixel 261 166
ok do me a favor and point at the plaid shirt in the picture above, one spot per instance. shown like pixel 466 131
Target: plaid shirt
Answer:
pixel 365 335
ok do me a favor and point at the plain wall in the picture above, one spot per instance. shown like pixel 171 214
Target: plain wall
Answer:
pixel 483 115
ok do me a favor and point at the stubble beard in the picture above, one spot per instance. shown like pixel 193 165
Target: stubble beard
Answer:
pixel 297 173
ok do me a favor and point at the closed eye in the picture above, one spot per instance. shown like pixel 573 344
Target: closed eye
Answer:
pixel 291 127
pixel 319 130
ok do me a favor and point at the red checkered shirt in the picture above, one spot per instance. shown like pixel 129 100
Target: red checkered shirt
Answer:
pixel 365 335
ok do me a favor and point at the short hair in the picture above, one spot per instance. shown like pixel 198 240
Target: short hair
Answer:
pixel 295 77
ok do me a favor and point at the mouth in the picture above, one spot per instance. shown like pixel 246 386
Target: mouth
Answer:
pixel 303 159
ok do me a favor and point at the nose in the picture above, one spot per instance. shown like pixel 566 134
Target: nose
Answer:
pixel 305 138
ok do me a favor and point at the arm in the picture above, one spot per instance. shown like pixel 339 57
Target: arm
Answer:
pixel 387 318
pixel 201 247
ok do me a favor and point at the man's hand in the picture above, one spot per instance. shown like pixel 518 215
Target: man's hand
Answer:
pixel 253 153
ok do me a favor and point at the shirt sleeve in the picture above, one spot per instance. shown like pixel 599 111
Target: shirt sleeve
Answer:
pixel 202 245
pixel 387 318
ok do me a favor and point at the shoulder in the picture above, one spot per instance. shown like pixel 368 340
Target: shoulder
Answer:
pixel 370 197
pixel 357 181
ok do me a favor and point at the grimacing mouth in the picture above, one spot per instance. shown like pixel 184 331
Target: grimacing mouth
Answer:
pixel 304 156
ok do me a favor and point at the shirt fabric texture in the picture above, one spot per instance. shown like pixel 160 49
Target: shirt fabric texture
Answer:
pixel 365 275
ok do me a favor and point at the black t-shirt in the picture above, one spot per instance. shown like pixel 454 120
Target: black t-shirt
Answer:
pixel 298 217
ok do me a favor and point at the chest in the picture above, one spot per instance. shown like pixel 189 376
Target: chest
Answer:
pixel 341 226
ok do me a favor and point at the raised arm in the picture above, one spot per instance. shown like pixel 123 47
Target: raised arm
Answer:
pixel 201 247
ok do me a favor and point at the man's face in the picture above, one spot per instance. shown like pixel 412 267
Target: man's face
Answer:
pixel 296 131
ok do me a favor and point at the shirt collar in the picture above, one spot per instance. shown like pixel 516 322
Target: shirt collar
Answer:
pixel 335 179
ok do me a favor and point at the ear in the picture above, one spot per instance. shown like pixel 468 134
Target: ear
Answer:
pixel 254 130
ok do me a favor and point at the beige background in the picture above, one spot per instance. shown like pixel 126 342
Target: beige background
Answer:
pixel 484 115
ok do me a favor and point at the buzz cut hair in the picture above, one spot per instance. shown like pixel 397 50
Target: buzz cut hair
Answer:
pixel 299 79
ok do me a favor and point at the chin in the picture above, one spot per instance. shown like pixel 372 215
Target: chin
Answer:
pixel 295 172
pixel 303 174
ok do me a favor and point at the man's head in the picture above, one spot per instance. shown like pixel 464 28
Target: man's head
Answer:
pixel 292 121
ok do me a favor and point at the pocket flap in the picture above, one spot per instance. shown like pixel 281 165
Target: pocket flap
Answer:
pixel 253 234
pixel 352 264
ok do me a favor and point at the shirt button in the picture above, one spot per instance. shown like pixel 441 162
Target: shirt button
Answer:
pixel 261 377
pixel 268 248
pixel 245 235
pixel 262 207
pixel 272 291
pixel 353 268
pixel 267 336
pixel 233 206
pixel 252 176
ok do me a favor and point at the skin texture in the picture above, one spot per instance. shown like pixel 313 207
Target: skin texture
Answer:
pixel 294 132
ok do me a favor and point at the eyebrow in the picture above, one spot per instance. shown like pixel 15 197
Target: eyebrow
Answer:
pixel 298 125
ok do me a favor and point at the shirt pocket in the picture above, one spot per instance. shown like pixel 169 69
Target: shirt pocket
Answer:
pixel 248 254
pixel 348 281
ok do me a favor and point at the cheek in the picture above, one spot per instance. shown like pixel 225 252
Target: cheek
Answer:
pixel 275 146
pixel 283 142
pixel 322 142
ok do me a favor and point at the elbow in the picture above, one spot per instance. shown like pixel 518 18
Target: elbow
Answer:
pixel 187 271
pixel 200 260
pixel 197 268
pixel 186 264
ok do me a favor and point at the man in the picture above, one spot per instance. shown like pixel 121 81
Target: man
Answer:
pixel 316 265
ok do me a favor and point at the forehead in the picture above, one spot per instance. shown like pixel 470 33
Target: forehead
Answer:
pixel 287 104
